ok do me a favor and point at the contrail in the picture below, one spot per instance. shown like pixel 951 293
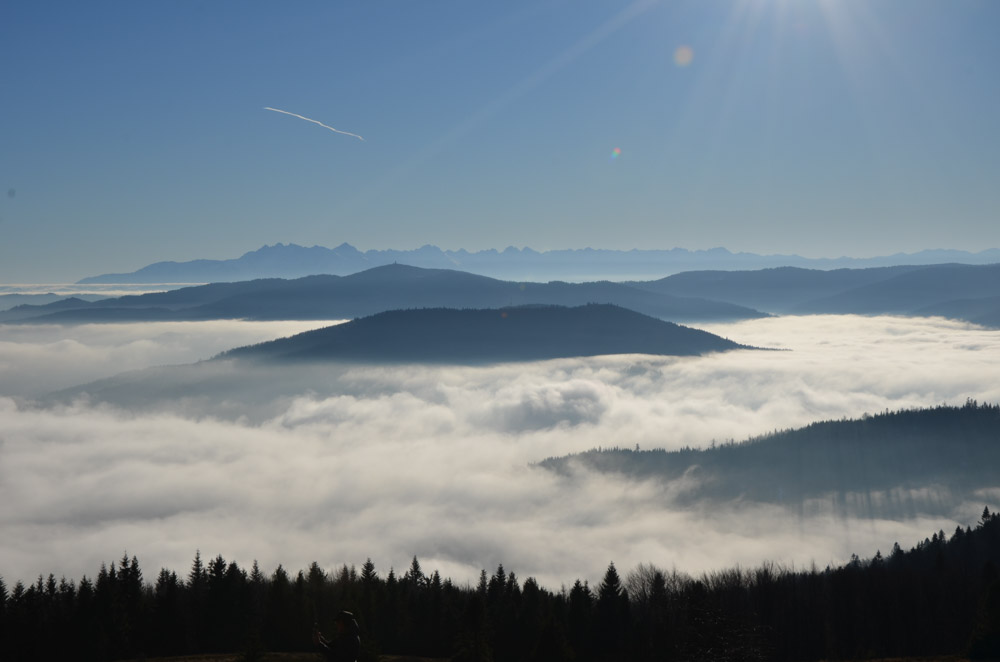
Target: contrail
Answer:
pixel 346 133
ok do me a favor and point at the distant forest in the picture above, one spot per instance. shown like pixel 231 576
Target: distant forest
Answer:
pixel 893 464
pixel 940 597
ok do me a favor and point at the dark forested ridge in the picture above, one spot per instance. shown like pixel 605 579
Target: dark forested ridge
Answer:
pixel 886 464
pixel 778 289
pixel 367 292
pixel 960 291
pixel 525 333
pixel 941 597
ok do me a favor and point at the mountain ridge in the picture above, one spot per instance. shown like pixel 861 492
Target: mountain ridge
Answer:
pixel 958 291
pixel 367 292
pixel 292 261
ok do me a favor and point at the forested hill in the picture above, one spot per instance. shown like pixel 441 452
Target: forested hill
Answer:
pixel 940 598
pixel 884 464
pixel 526 333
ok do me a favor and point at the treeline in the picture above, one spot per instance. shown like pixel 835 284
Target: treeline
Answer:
pixel 940 597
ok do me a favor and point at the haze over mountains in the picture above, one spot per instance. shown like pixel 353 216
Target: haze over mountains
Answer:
pixel 293 261
pixel 958 291
pixel 375 290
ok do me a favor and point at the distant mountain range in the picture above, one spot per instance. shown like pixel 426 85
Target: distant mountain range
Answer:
pixel 891 464
pixel 379 289
pixel 293 261
pixel 474 336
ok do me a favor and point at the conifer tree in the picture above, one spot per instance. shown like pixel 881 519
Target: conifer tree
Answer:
pixel 580 608
pixel 168 614
pixel 612 614
pixel 511 587
pixel 368 574
pixel 197 577
pixel 414 576
pixel 497 583
pixel 197 588
pixel 258 584
pixel 281 628
pixel 4 597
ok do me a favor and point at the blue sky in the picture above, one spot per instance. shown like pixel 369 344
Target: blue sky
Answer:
pixel 132 132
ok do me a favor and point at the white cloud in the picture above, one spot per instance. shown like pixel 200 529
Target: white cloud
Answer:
pixel 336 464
pixel 35 358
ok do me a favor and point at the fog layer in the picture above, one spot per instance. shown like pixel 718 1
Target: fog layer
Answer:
pixel 336 464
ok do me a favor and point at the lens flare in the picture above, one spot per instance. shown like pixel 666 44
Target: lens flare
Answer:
pixel 683 56
pixel 615 153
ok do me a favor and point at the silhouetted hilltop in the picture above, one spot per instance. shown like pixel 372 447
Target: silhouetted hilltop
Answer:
pixel 293 261
pixel 888 463
pixel 527 333
pixel 388 287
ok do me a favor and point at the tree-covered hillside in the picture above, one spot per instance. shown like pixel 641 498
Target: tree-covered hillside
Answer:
pixel 522 333
pixel 887 463
pixel 940 597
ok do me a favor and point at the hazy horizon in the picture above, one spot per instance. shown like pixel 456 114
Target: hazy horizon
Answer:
pixel 72 286
pixel 142 133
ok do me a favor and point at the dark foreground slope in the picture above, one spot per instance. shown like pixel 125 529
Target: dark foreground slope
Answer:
pixel 940 598
pixel 891 464
pixel 527 333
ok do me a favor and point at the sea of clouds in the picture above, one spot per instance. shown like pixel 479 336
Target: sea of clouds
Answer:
pixel 336 463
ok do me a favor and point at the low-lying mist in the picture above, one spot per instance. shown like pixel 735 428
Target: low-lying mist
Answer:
pixel 337 463
pixel 37 358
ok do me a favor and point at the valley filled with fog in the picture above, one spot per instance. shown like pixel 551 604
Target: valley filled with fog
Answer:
pixel 335 463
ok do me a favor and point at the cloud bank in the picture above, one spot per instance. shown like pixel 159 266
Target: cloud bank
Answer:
pixel 335 464
pixel 37 358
